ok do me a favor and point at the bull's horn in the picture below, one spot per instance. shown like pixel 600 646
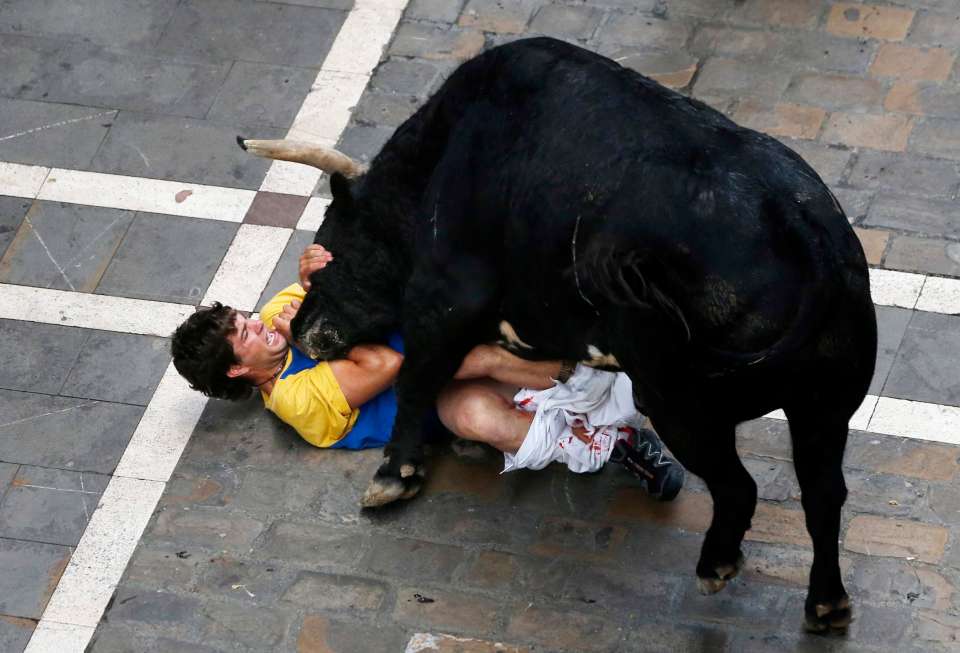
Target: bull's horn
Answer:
pixel 327 159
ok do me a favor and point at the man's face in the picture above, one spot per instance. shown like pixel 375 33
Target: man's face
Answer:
pixel 256 346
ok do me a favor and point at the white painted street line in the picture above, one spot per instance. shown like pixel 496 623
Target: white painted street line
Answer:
pixel 313 214
pixel 398 5
pixel 103 552
pixel 53 637
pixel 365 34
pixel 940 295
pixel 291 178
pixel 142 194
pixel 433 642
pixel 892 288
pixel 163 431
pixel 344 75
pixel 322 118
pixel 907 419
pixel 247 266
pixel 78 309
pixel 861 419
pixel 858 421
pixel 917 420
pixel 327 110
pixel 124 192
pixel 108 542
pixel 18 180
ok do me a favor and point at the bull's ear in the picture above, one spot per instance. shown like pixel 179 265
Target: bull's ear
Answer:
pixel 340 188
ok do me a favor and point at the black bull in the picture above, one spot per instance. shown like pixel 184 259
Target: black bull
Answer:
pixel 547 196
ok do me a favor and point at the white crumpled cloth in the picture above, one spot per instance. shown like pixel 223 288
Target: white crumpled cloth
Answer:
pixel 601 402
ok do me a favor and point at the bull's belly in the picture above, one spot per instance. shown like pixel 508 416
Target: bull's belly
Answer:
pixel 569 345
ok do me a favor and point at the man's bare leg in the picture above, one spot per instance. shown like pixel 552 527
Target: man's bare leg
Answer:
pixel 482 410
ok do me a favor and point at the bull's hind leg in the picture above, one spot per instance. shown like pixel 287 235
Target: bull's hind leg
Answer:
pixel 818 442
pixel 709 451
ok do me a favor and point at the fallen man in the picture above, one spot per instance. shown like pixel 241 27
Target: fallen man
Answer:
pixel 495 398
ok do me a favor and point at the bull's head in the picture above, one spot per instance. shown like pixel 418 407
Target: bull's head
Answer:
pixel 354 298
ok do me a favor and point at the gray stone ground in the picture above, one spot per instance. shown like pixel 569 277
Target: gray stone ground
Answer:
pixel 257 543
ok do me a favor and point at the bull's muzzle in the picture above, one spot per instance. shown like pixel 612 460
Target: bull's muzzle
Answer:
pixel 322 342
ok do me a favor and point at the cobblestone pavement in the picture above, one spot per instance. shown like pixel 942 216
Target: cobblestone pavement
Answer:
pixel 257 543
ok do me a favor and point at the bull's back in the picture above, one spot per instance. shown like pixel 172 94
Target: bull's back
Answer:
pixel 590 160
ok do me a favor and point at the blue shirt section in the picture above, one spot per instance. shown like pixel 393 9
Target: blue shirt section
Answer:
pixel 375 422
pixel 298 363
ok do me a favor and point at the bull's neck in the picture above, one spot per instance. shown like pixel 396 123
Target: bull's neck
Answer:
pixel 389 203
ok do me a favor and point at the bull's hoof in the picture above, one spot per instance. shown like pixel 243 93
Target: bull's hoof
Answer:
pixel 713 584
pixel 384 489
pixel 381 491
pixel 831 617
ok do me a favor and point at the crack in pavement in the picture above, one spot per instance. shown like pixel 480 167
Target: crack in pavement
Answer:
pixel 60 123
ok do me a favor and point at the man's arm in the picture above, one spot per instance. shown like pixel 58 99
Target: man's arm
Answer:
pixel 367 371
pixel 490 361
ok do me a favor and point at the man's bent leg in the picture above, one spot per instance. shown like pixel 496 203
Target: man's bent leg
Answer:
pixel 483 411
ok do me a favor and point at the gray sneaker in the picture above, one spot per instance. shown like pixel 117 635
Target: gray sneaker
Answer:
pixel 642 454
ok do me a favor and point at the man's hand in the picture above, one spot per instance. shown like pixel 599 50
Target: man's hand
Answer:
pixel 314 258
pixel 281 323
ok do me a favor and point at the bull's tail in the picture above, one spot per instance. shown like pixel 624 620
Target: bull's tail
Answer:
pixel 327 159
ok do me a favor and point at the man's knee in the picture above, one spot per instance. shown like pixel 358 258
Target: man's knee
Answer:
pixel 471 409
pixel 474 413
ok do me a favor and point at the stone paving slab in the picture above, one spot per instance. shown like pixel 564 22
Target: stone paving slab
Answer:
pixel 118 367
pixel 63 246
pixel 910 253
pixel 32 570
pixel 891 326
pixel 12 210
pixel 37 357
pixel 113 22
pixel 272 33
pixel 276 210
pixel 7 472
pixel 28 58
pixel 15 632
pixel 927 362
pixel 44 133
pixel 180 149
pixel 167 258
pixel 261 95
pixel 92 75
pixel 49 505
pixel 64 433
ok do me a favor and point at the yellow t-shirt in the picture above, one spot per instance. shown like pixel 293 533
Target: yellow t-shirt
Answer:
pixel 306 395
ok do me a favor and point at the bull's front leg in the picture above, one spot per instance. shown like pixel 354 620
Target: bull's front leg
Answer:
pixel 402 472
pixel 437 336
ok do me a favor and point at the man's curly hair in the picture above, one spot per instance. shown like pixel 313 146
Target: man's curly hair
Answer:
pixel 203 355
